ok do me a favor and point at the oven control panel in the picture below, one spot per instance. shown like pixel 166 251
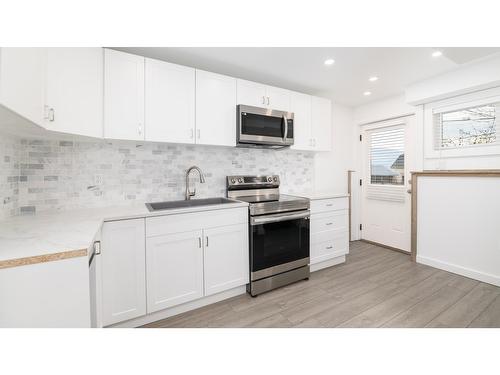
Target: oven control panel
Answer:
pixel 253 181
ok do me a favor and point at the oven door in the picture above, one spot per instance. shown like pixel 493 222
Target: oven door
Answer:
pixel 262 126
pixel 278 243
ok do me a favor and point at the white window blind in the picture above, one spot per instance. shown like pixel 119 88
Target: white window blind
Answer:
pixel 467 127
pixel 387 164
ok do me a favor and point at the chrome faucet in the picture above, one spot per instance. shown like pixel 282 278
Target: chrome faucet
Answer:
pixel 190 193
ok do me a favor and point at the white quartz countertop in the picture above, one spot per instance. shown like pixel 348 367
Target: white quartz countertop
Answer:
pixel 320 194
pixel 55 232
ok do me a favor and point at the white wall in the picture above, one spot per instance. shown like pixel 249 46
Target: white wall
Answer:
pixel 330 168
pixel 473 77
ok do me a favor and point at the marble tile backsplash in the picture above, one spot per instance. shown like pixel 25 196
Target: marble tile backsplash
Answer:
pixel 41 175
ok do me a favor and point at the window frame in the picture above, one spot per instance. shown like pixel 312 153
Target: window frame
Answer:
pixel 476 99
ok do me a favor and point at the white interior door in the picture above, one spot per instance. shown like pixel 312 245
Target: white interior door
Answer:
pixel 388 157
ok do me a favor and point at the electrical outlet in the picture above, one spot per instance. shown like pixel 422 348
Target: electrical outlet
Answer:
pixel 98 179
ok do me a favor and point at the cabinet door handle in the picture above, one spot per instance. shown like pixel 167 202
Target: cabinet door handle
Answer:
pixel 329 205
pixel 199 242
pixel 139 130
pixel 329 223
pixel 51 115
pixel 329 247
pixel 192 133
pixel 207 241
pixel 268 100
pixel 199 132
pixel 263 100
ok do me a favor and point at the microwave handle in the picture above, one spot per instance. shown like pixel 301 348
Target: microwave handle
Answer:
pixel 285 134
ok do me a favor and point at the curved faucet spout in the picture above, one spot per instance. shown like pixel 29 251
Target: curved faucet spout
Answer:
pixel 190 193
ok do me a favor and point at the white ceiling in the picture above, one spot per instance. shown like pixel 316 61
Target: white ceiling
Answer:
pixel 302 68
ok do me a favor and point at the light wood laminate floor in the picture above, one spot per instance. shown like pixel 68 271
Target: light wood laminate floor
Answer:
pixel 376 287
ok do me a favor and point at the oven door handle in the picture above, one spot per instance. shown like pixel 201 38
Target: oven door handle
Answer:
pixel 285 133
pixel 279 217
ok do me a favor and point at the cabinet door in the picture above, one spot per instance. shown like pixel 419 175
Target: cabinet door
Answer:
pixel 174 264
pixel 251 93
pixel 123 270
pixel 170 102
pixel 300 105
pixel 123 95
pixel 215 109
pixel 226 258
pixel 277 98
pixel 321 110
pixel 74 90
pixel 22 81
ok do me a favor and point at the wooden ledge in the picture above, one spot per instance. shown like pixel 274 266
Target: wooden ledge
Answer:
pixel 460 173
pixel 42 258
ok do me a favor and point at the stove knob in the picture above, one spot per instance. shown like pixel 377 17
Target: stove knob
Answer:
pixel 275 179
pixel 233 180
pixel 269 179
pixel 240 180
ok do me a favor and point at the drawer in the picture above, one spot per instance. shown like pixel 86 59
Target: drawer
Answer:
pixel 332 204
pixel 333 247
pixel 161 225
pixel 336 220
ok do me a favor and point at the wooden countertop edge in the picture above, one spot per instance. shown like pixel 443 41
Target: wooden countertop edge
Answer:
pixel 458 173
pixel 42 258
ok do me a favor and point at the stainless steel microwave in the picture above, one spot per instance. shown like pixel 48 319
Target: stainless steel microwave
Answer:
pixel 263 127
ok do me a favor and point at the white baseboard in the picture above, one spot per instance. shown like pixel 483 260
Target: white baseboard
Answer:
pixel 327 263
pixel 460 270
pixel 167 313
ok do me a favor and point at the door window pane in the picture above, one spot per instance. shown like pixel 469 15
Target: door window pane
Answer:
pixel 387 157
pixel 467 127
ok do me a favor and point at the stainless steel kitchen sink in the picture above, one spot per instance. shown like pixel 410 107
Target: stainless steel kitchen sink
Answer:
pixel 170 205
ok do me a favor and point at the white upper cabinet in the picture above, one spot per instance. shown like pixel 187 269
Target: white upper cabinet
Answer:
pixel 251 93
pixel 170 102
pixel 74 91
pixel 123 95
pixel 123 259
pixel 300 105
pixel 215 109
pixel 259 95
pixel 321 110
pixel 277 98
pixel 22 81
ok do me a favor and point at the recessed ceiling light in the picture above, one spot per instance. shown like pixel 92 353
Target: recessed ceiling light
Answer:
pixel 329 62
pixel 437 53
pixel 373 79
pixel 367 93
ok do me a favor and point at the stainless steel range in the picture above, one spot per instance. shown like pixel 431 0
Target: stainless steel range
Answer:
pixel 278 232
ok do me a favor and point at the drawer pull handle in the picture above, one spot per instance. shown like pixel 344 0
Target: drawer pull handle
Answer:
pixel 328 223
pixel 329 247
pixel 329 205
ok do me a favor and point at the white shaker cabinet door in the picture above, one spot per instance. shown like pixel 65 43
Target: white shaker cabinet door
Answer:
pixel 170 102
pixel 277 98
pixel 174 269
pixel 321 110
pixel 251 93
pixel 300 105
pixel 226 258
pixel 74 91
pixel 123 270
pixel 123 96
pixel 22 81
pixel 215 109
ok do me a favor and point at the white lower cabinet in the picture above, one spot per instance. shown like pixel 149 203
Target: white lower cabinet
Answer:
pixel 225 258
pixel 190 256
pixel 174 268
pixel 123 270
pixel 329 229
